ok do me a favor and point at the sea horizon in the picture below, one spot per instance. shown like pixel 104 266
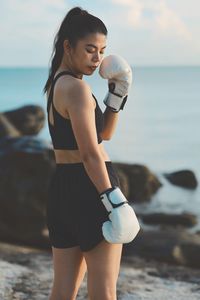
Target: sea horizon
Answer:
pixel 132 65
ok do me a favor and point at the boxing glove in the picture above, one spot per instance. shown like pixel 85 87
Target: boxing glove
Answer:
pixel 123 225
pixel 119 75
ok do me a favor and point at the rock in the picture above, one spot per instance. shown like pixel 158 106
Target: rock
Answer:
pixel 25 172
pixel 7 128
pixel 167 245
pixel 25 144
pixel 142 182
pixel 124 182
pixel 183 178
pixel 188 253
pixel 28 119
pixel 184 219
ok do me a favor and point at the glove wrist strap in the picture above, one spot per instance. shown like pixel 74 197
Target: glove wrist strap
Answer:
pixel 107 201
pixel 115 102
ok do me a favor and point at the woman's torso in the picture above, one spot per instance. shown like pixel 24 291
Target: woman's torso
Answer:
pixel 66 155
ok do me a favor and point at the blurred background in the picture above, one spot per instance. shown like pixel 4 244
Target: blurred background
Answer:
pixel 158 129
pixel 160 39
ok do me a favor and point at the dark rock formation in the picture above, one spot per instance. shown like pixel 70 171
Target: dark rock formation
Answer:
pixel 183 178
pixel 26 167
pixel 141 181
pixel 124 182
pixel 7 129
pixel 184 219
pixel 28 120
pixel 169 245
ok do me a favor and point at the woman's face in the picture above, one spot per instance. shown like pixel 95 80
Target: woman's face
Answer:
pixel 88 53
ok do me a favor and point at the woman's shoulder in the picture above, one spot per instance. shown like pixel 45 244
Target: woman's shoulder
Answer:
pixel 69 83
pixel 72 89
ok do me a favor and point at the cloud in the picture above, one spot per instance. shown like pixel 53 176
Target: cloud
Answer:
pixel 124 2
pixel 26 15
pixel 32 8
pixel 154 15
pixel 150 31
pixel 168 20
pixel 27 29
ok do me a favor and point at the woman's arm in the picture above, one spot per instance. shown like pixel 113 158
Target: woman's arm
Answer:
pixel 82 115
pixel 119 75
pixel 110 123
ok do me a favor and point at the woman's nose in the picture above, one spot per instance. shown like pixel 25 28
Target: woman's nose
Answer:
pixel 97 57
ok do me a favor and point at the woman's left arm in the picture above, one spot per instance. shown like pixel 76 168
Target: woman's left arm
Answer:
pixel 119 75
pixel 110 123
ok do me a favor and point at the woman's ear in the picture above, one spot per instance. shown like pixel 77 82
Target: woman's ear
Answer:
pixel 66 46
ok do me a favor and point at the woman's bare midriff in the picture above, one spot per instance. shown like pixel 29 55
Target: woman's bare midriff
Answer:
pixel 73 156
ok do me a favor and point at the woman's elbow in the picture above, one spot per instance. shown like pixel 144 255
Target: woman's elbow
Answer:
pixel 90 154
pixel 105 137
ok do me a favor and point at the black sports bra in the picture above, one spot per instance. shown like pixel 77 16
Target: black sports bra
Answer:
pixel 61 132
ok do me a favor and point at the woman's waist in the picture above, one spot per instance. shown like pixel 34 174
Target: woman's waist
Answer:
pixel 74 156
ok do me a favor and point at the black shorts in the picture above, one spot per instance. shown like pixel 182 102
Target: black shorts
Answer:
pixel 74 212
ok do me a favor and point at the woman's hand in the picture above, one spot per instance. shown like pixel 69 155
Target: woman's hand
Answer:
pixel 119 75
pixel 123 225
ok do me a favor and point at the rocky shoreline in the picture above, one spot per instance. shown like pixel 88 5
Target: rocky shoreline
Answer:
pixel 27 274
pixel 162 262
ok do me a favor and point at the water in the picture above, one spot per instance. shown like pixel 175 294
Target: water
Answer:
pixel 158 126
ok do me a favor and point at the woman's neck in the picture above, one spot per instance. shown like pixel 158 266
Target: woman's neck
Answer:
pixel 66 67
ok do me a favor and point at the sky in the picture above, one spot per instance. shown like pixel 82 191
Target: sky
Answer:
pixel 144 32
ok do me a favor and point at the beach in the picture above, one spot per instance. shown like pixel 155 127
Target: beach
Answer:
pixel 26 273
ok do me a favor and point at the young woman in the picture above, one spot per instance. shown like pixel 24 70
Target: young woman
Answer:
pixel 78 207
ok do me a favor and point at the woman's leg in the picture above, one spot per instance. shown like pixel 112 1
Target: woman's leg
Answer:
pixel 69 270
pixel 103 264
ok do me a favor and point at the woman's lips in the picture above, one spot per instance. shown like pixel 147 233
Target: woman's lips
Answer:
pixel 93 67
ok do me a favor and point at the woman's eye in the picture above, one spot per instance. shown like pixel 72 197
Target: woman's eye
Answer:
pixel 92 51
pixel 89 51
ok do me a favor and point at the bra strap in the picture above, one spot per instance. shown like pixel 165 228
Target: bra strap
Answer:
pixel 63 73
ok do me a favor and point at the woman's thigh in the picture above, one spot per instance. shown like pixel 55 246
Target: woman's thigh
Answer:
pixel 103 265
pixel 69 270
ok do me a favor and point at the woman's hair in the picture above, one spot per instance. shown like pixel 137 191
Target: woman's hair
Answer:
pixel 77 24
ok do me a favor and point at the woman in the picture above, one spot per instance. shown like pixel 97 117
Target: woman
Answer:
pixel 84 172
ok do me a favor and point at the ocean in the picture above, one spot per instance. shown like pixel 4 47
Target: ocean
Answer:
pixel 158 126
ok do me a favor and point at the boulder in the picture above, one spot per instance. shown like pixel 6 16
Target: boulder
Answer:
pixel 184 219
pixel 124 182
pixel 187 253
pixel 183 178
pixel 7 129
pixel 28 119
pixel 26 168
pixel 141 181
pixel 167 245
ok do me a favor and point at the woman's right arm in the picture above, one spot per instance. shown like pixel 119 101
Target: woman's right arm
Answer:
pixel 82 115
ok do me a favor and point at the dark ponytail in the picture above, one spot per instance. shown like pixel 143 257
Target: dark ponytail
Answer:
pixel 77 24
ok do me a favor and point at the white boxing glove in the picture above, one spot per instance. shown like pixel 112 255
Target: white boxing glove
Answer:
pixel 119 75
pixel 123 225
